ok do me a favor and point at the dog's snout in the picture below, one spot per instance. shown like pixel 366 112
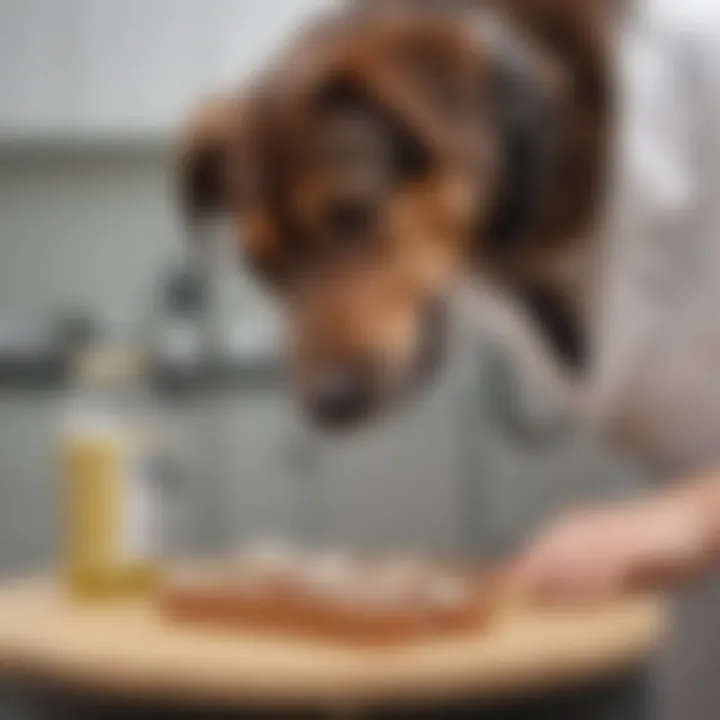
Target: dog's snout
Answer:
pixel 340 397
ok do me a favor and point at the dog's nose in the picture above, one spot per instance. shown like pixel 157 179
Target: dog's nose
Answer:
pixel 340 397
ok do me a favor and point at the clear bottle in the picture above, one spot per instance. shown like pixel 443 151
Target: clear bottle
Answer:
pixel 112 489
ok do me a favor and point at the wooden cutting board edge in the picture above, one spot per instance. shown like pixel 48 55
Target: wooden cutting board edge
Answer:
pixel 127 649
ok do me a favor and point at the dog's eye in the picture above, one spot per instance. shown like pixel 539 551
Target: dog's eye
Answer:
pixel 348 221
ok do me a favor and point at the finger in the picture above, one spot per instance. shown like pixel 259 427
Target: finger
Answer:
pixel 530 575
pixel 592 582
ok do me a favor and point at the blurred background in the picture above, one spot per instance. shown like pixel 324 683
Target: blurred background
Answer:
pixel 92 250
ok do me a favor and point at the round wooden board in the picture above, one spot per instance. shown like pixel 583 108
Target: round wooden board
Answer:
pixel 127 648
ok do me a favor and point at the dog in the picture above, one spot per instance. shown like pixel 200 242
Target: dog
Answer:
pixel 398 149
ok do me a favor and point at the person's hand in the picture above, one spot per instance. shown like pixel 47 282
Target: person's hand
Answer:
pixel 596 555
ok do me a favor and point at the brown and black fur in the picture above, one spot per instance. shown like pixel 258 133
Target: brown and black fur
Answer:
pixel 367 171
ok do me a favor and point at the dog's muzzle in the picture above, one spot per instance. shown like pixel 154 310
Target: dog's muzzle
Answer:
pixel 347 394
pixel 343 396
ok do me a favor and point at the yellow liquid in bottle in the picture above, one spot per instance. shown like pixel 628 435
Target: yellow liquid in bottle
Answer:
pixel 97 489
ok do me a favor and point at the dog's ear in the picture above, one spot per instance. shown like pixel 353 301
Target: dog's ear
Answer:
pixel 617 10
pixel 425 75
pixel 205 183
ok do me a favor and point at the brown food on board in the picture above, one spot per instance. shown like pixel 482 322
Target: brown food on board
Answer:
pixel 331 596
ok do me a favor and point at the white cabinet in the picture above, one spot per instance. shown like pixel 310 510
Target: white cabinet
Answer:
pixel 38 83
pixel 128 68
pixel 140 62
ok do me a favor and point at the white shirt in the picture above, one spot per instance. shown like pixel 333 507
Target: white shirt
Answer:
pixel 657 388
pixel 657 382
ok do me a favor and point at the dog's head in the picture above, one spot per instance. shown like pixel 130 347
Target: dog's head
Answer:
pixel 358 173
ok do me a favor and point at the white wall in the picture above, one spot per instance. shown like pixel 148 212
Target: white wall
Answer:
pixel 128 67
